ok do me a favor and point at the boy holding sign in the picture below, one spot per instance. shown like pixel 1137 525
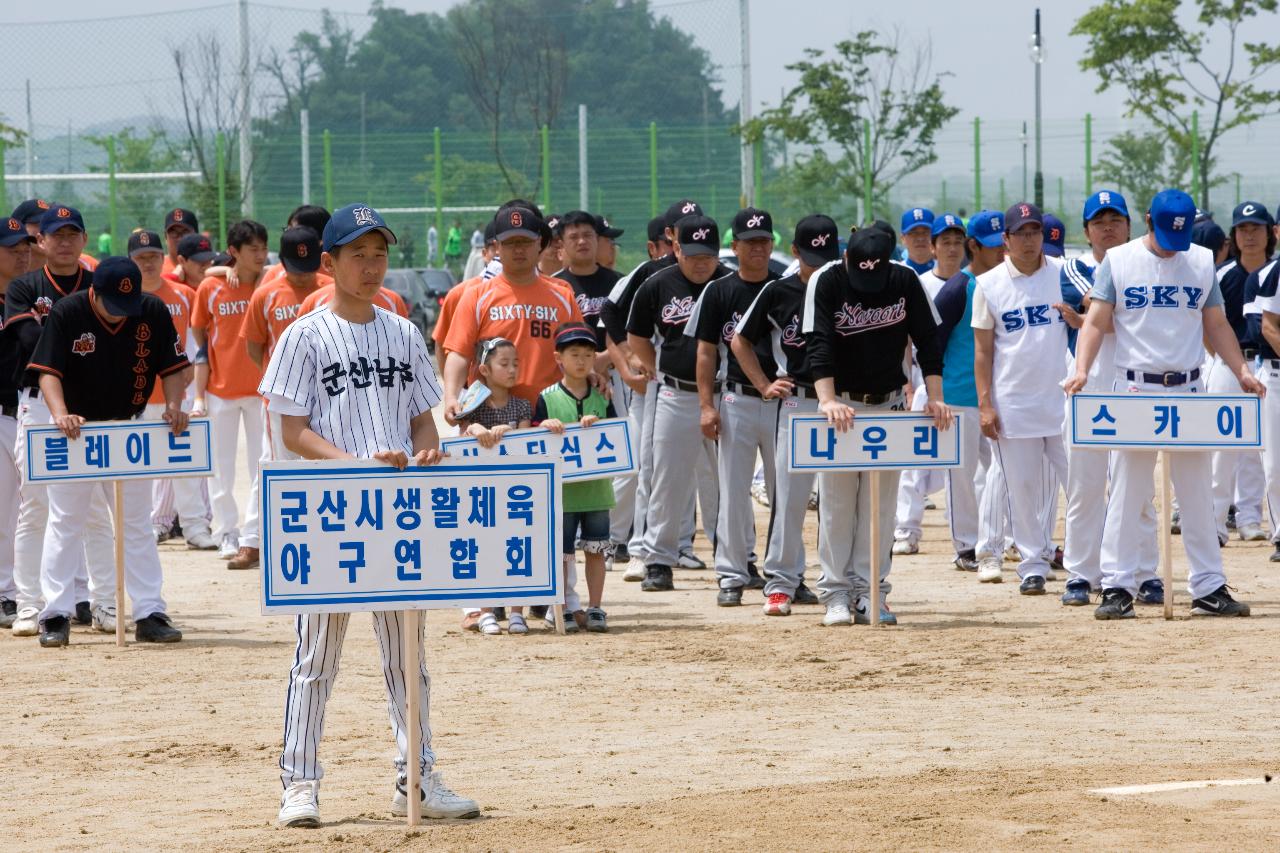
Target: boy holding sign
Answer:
pixel 354 382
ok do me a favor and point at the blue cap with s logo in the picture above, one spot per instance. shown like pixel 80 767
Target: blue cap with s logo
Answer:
pixel 987 227
pixel 1105 200
pixel 917 217
pixel 1173 213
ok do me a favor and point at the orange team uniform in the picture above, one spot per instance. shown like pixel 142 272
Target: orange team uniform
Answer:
pixel 271 309
pixel 220 310
pixel 447 308
pixel 89 262
pixel 276 271
pixel 170 265
pixel 526 315
pixel 386 298
pixel 178 298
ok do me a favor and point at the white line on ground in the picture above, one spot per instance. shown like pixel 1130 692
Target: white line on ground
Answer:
pixel 1160 787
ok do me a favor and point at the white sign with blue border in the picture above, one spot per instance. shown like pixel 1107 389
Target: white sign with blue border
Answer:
pixel 607 448
pixel 888 441
pixel 351 536
pixel 1166 421
pixel 118 450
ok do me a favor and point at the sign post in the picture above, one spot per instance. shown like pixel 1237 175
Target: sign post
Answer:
pixel 1166 423
pixel 875 442
pixel 413 746
pixel 115 451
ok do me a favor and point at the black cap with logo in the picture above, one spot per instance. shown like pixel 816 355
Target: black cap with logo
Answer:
pixel 657 229
pixel 604 229
pixel 751 223
pixel 118 283
pixel 684 207
pixel 196 247
pixel 698 235
pixel 181 216
pixel 143 241
pixel 30 210
pixel 817 240
pixel 517 222
pixel 867 259
pixel 300 250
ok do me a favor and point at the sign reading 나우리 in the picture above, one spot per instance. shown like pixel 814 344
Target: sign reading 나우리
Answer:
pixel 348 536
pixel 887 441
pixel 1166 421
pixel 604 449
pixel 118 450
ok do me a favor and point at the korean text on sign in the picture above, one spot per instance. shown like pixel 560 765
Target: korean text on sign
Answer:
pixel 342 536
pixel 1166 421
pixel 604 449
pixel 118 450
pixel 874 441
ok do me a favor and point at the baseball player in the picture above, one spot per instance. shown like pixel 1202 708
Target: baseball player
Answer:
pixel 15 260
pixel 101 351
pixel 1020 345
pixel 1160 332
pixel 607 242
pixel 773 320
pixel 28 302
pixel 551 257
pixel 311 216
pixel 861 315
pixel 1055 236
pixel 1264 320
pixel 1106 225
pixel 228 396
pixel 178 223
pixel 29 213
pixel 147 252
pixel 914 486
pixel 662 305
pixel 917 230
pixel 391 422
pixel 195 255
pixel 741 420
pixel 1238 477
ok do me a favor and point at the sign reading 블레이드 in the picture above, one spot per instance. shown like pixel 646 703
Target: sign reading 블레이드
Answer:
pixel 118 450
pixel 604 449
pixel 348 536
pixel 1166 421
pixel 888 441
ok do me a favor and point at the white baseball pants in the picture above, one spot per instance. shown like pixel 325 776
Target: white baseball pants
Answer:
pixel 1032 489
pixel 183 494
pixel 915 485
pixel 1238 475
pixel 225 416
pixel 967 484
pixel 10 479
pixel 1269 375
pixel 784 560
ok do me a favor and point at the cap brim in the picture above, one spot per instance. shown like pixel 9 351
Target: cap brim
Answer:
pixel 201 257
pixel 1052 251
pixel 360 232
pixel 753 235
pixel 15 239
pixel 518 232
pixel 928 225
pixel 990 240
pixel 814 259
pixel 698 249
pixel 142 250
pixel 117 308
pixel 307 265
pixel 62 225
pixel 957 228
pixel 577 338
pixel 612 233
pixel 1260 220
pixel 1172 241
pixel 1105 207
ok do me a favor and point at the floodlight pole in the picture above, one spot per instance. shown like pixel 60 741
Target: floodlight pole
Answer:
pixel 1037 57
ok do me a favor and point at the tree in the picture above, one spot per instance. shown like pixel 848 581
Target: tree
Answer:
pixel 1163 66
pixel 1140 165
pixel 867 82
pixel 140 203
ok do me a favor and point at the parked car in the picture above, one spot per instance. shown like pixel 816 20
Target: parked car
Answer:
pixel 438 283
pixel 409 284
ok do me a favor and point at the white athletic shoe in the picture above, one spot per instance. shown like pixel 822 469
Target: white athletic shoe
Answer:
pixel 910 545
pixel 989 570
pixel 690 560
pixel 201 542
pixel 438 802
pixel 27 624
pixel 1012 554
pixel 760 493
pixel 1251 533
pixel 837 613
pixel 635 570
pixel 229 547
pixel 300 805
pixel 104 618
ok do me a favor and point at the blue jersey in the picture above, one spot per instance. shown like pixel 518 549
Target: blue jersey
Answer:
pixel 1077 281
pixel 955 310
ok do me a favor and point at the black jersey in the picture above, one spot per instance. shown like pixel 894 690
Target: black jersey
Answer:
pixel 774 320
pixel 662 306
pixel 617 308
pixel 1231 281
pixel 715 319
pixel 107 369
pixel 10 364
pixel 28 302
pixel 591 292
pixel 1262 283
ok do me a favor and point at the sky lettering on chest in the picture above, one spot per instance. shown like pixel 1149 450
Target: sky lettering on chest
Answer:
pixel 1029 317
pixel 1163 296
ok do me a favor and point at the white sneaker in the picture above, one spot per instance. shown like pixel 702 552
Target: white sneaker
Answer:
pixel 300 805
pixel 1012 554
pixel 837 613
pixel 910 545
pixel 27 624
pixel 1251 533
pixel 229 547
pixel 438 802
pixel 635 571
pixel 989 570
pixel 690 560
pixel 104 618
pixel 201 542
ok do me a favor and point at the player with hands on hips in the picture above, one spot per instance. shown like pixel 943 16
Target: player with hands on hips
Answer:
pixel 1160 331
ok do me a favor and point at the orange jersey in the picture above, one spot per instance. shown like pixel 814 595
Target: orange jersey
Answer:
pixel 170 266
pixel 275 272
pixel 450 304
pixel 89 262
pixel 387 299
pixel 220 310
pixel 527 315
pixel 179 299
pixel 271 309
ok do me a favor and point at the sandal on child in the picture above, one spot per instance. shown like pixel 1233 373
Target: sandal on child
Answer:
pixel 489 624
pixel 516 624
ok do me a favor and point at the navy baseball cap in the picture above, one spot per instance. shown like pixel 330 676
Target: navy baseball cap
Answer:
pixel 817 240
pixel 867 259
pixel 1173 213
pixel 195 247
pixel 300 250
pixel 1209 234
pixel 657 229
pixel 1055 234
pixel 682 208
pixel 555 224
pixel 30 210
pixel 947 222
pixel 13 232
pixel 489 232
pixel 118 283
pixel 1020 214
pixel 1105 200
pixel 1251 211
pixel 60 216
pixel 517 222
pixel 352 222
pixel 698 235
pixel 143 241
pixel 987 227
pixel 575 333
pixel 604 229
pixel 917 217
pixel 181 216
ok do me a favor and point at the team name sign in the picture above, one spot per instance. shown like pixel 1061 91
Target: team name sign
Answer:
pixel 118 450
pixel 607 448
pixel 889 441
pixel 1166 421
pixel 342 536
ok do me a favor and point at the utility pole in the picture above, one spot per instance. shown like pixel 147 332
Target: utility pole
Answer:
pixel 744 107
pixel 30 146
pixel 246 154
pixel 1024 139
pixel 1037 58
pixel 305 121
pixel 583 193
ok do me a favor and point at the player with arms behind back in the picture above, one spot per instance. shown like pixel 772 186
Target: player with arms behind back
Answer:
pixel 354 382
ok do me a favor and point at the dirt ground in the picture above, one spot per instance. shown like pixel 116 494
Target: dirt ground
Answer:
pixel 984 720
